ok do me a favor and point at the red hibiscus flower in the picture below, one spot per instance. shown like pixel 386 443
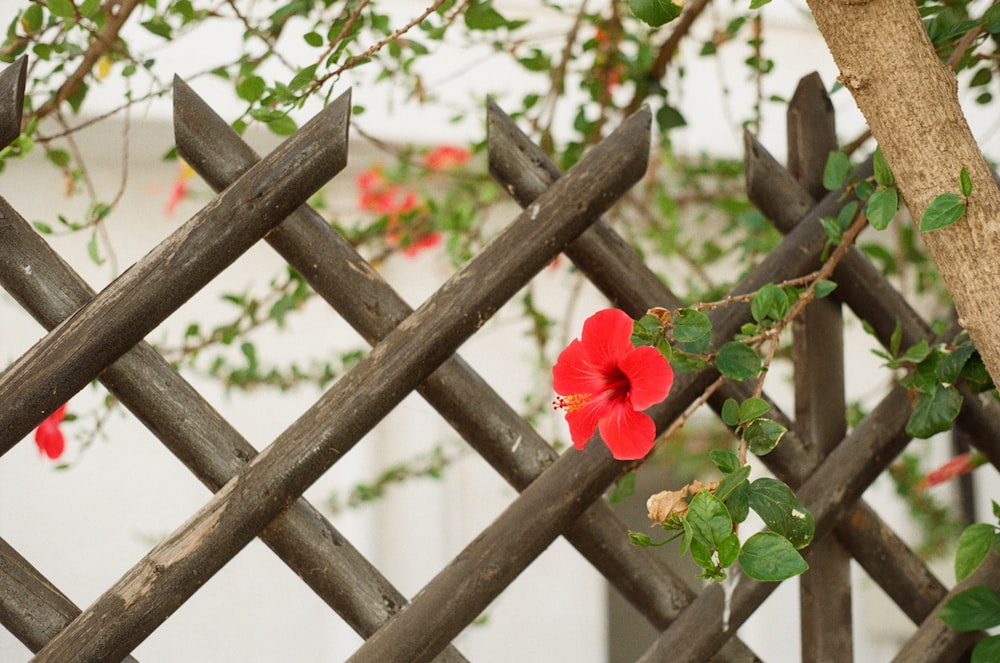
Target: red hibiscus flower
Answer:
pixel 605 383
pixel 446 156
pixel 957 466
pixel 179 190
pixel 48 437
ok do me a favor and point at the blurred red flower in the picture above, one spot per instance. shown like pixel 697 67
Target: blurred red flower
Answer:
pixel 378 195
pixel 48 437
pixel 605 383
pixel 957 466
pixel 446 156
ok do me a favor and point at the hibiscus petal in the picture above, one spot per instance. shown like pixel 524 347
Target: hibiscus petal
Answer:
pixel 628 433
pixel 583 422
pixel 575 374
pixel 607 337
pixel 650 376
pixel 50 439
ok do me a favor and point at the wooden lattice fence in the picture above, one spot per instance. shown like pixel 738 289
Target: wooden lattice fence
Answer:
pixel 100 336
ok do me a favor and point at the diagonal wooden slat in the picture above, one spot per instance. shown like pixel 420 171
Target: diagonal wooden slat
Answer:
pixel 195 432
pixel 615 268
pixel 353 288
pixel 32 608
pixel 862 286
pixel 173 570
pixel 574 480
pixel 70 356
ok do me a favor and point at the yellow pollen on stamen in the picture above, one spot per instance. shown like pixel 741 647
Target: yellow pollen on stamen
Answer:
pixel 572 402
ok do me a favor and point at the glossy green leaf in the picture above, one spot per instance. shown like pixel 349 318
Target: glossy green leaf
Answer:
pixel 737 361
pixel 752 408
pixel 731 412
pixel 731 482
pixel 708 520
pixel 763 435
pixel 943 211
pixel 823 288
pixel 974 609
pixel 778 507
pixel 934 412
pixel 881 208
pixel 691 325
pixel 729 550
pixel 725 460
pixel 769 302
pixel 654 12
pixel 973 546
pixel 837 168
pixel 965 182
pixel 769 557
pixel 949 368
pixel 883 175
pixel 32 17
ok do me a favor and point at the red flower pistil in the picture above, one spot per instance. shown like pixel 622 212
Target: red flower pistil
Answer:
pixel 605 383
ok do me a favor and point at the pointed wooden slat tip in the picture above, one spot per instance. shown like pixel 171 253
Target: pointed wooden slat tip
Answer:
pixel 12 82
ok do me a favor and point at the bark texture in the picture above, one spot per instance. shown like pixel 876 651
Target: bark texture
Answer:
pixel 910 100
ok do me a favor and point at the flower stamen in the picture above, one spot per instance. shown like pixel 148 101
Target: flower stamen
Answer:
pixel 571 403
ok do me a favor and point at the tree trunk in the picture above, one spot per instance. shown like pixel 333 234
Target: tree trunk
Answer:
pixel 910 100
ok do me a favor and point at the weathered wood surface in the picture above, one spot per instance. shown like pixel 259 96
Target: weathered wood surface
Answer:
pixel 352 287
pixel 169 574
pixel 196 434
pixel 71 355
pixel 820 401
pixel 12 80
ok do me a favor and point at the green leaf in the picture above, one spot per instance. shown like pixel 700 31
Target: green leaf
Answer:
pixel 881 207
pixel 778 507
pixel 623 489
pixel 89 7
pixel 731 482
pixel 482 16
pixel 731 412
pixel 669 117
pixel 837 168
pixel 823 288
pixel 987 651
pixel 282 126
pixel 973 546
pixel 975 609
pixel 93 250
pixel 158 26
pixel 313 39
pixel 725 460
pixel 62 8
pixel 32 17
pixel 251 88
pixel 769 302
pixel 737 361
pixel 934 412
pixel 943 211
pixel 708 519
pixel 752 408
pixel 991 19
pixel 769 557
pixel 654 12
pixel 729 550
pixel 738 502
pixel 304 77
pixel 42 227
pixel 949 368
pixel 883 175
pixel 757 4
pixel 965 182
pixel 763 435
pixel 691 325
